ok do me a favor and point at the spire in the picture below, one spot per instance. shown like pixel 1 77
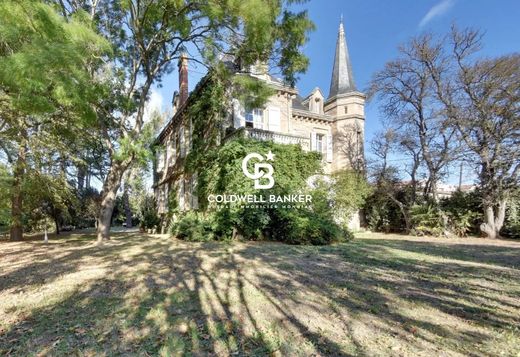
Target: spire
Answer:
pixel 342 79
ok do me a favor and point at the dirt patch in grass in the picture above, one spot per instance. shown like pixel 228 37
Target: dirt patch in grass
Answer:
pixel 150 295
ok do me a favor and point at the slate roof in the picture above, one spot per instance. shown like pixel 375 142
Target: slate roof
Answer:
pixel 342 78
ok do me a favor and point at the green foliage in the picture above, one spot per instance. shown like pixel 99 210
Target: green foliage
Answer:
pixel 463 211
pixel 43 59
pixel 456 215
pixel 511 227
pixel 47 197
pixel 192 227
pixel 87 210
pixel 250 91
pixel 147 214
pixel 350 191
pixel 222 174
pixel 428 219
pixel 461 223
pixel 139 146
pixel 302 226
pixel 382 213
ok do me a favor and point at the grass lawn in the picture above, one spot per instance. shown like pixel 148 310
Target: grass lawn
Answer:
pixel 380 295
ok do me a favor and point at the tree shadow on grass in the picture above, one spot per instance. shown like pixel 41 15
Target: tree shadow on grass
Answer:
pixel 507 255
pixel 160 297
pixel 168 303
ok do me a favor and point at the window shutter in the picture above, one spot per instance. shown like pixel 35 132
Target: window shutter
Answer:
pixel 182 141
pixel 313 141
pixel 174 149
pixel 274 119
pixel 194 197
pixel 239 114
pixel 181 194
pixel 258 118
pixel 329 148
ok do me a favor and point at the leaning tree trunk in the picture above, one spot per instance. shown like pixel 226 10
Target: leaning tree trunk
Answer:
pixel 493 219
pixel 108 200
pixel 17 196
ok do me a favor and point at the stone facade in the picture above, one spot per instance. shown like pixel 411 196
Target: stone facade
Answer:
pixel 333 126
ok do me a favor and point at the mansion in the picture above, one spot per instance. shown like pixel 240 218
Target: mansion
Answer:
pixel 332 125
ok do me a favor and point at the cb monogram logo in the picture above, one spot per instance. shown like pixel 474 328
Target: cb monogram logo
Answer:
pixel 261 170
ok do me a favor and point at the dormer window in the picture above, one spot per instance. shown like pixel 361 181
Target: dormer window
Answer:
pixel 318 109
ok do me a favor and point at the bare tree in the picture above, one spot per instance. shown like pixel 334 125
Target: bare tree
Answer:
pixel 481 98
pixel 407 95
pixel 439 90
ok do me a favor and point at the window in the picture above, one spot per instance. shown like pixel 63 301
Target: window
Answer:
pixel 346 109
pixel 170 151
pixel 181 193
pixel 255 119
pixel 317 106
pixel 320 142
pixel 160 160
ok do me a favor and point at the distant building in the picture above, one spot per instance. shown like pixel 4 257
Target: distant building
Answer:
pixel 333 125
pixel 444 190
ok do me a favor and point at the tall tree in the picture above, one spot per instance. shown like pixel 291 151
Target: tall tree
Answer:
pixel 481 96
pixel 150 35
pixel 408 98
pixel 463 99
pixel 46 91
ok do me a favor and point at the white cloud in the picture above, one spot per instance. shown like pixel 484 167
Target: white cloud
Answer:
pixel 436 11
pixel 154 104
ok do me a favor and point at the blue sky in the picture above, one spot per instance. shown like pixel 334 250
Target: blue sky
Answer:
pixel 375 28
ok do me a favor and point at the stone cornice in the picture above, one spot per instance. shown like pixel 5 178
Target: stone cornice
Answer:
pixel 345 95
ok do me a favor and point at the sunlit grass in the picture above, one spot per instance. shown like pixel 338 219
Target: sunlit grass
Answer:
pixel 151 295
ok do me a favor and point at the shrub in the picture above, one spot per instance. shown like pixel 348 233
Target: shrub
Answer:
pixel 192 227
pixel 304 227
pixel 461 223
pixel 511 227
pixel 428 219
pixel 148 218
pixel 382 214
pixel 298 226
pixel 463 210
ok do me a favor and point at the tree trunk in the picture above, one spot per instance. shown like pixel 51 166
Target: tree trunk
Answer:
pixel 126 204
pixel 16 233
pixel 493 219
pixel 108 201
pixel 82 173
pixel 57 224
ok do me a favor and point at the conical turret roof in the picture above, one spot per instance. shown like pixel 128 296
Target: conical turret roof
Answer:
pixel 342 78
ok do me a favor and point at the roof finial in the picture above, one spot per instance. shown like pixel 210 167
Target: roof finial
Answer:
pixel 341 18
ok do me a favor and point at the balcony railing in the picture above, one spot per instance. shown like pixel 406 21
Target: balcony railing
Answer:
pixel 266 135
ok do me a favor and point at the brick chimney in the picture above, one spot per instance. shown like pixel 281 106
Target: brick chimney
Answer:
pixel 183 79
